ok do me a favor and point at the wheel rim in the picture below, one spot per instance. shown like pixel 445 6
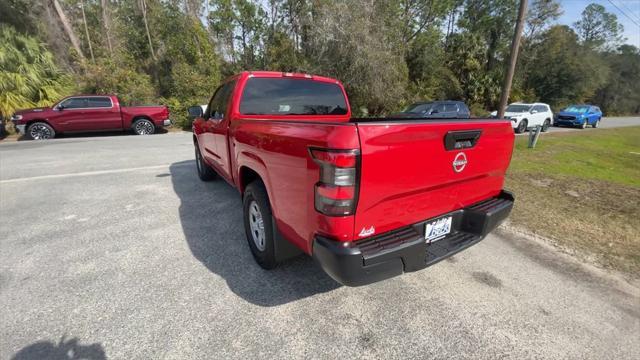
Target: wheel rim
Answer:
pixel 523 126
pixel 39 132
pixel 545 126
pixel 144 128
pixel 256 224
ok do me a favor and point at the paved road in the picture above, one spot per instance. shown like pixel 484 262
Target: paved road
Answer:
pixel 605 123
pixel 112 248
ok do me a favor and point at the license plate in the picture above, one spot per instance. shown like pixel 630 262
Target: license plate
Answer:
pixel 437 229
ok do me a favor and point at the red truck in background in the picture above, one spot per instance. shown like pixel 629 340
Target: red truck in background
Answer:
pixel 84 113
pixel 367 198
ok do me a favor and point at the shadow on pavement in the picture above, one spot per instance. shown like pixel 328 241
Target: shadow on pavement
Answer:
pixel 63 350
pixel 211 219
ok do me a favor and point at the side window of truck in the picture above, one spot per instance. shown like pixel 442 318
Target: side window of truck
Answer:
pixel 99 102
pixel 74 103
pixel 211 106
pixel 439 109
pixel 220 101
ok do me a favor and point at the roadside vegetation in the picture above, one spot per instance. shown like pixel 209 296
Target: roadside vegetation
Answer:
pixel 582 191
pixel 387 53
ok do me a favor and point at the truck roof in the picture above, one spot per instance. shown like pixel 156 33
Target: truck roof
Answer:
pixel 261 73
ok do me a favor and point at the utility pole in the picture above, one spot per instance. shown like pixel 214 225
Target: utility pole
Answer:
pixel 513 58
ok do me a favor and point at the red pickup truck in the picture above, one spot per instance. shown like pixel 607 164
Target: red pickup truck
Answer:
pixel 84 113
pixel 368 198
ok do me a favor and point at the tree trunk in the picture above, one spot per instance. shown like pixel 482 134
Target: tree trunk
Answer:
pixel 143 7
pixel 107 25
pixel 68 29
pixel 86 30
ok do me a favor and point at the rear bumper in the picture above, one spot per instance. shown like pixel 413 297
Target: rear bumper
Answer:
pixel 405 250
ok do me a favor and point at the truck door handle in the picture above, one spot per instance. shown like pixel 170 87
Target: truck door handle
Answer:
pixel 457 140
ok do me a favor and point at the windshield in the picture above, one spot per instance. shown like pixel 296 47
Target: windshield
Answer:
pixel 282 96
pixel 418 108
pixel 518 108
pixel 577 109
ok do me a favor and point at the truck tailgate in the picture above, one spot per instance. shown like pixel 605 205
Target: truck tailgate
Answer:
pixel 408 172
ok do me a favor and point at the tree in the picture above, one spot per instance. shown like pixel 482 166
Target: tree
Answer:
pixel 493 22
pixel 541 14
pixel 621 93
pixel 143 8
pixel 599 28
pixel 68 28
pixel 106 22
pixel 28 74
pixel 363 50
pixel 568 72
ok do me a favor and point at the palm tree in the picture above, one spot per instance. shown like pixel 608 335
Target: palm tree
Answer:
pixel 28 74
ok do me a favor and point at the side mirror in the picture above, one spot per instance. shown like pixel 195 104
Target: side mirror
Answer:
pixel 60 107
pixel 195 111
pixel 434 111
pixel 534 111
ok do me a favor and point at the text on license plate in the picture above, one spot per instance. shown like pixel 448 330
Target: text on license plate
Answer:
pixel 437 229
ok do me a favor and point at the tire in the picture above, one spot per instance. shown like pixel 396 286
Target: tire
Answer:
pixel 596 124
pixel 143 127
pixel 205 172
pixel 545 125
pixel 584 124
pixel 258 225
pixel 40 131
pixel 522 127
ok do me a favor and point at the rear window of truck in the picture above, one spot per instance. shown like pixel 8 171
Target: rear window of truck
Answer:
pixel 282 96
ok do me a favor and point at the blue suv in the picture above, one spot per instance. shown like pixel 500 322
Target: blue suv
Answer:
pixel 579 115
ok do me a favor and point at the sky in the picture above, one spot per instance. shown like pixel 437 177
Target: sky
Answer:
pixel 573 9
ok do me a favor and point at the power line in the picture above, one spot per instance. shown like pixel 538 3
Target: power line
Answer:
pixel 637 17
pixel 623 13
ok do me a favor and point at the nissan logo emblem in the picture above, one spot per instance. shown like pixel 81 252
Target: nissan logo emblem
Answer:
pixel 459 162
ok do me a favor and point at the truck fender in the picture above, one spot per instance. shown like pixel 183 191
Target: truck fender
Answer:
pixel 252 168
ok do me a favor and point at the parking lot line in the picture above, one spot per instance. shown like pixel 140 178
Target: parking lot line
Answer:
pixel 89 173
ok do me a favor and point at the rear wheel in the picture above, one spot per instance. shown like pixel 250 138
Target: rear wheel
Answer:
pixel 205 172
pixel 258 225
pixel 40 131
pixel 522 127
pixel 545 125
pixel 143 127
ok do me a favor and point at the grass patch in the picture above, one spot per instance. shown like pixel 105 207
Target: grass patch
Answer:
pixel 582 189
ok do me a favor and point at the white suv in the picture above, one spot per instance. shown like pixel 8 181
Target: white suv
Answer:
pixel 525 116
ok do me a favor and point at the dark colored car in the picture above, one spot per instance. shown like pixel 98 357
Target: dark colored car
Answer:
pixel 85 113
pixel 579 115
pixel 368 198
pixel 435 109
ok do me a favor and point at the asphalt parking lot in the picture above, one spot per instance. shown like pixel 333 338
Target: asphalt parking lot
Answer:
pixel 111 248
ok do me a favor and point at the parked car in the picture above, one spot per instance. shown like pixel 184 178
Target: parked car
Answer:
pixel 434 109
pixel 579 115
pixel 367 198
pixel 83 113
pixel 525 116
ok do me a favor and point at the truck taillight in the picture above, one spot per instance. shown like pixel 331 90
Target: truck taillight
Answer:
pixel 336 191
